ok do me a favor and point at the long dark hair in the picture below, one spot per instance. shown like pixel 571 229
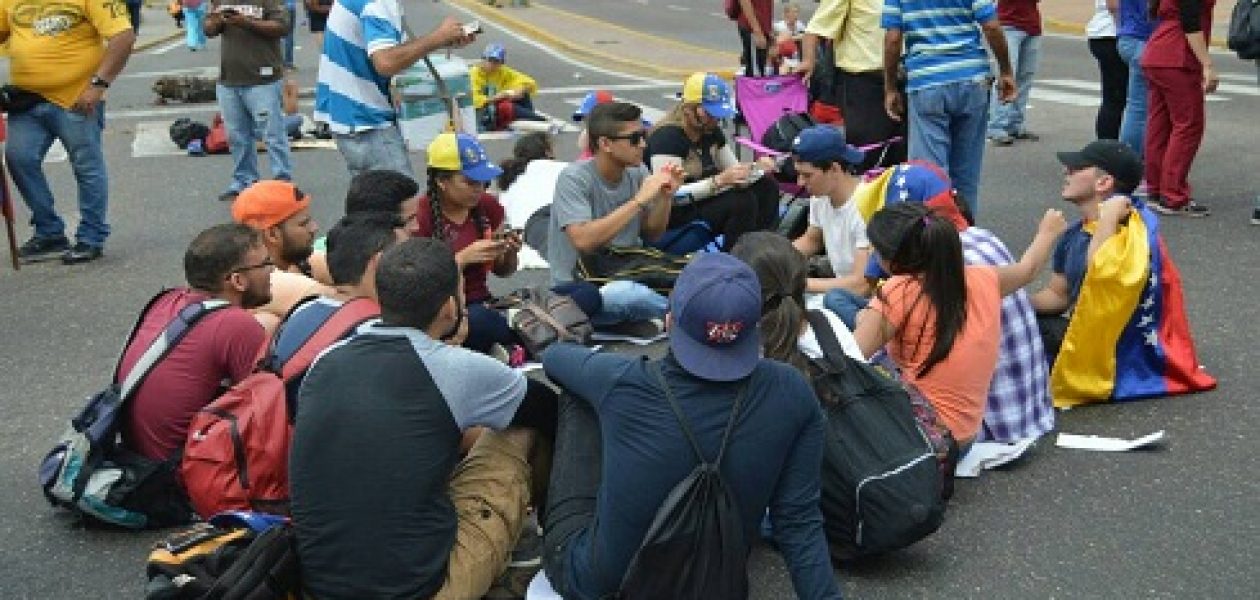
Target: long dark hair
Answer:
pixel 783 273
pixel 918 243
pixel 434 193
pixel 530 147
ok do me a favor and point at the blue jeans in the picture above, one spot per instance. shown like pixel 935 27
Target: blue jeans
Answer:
pixel 1024 49
pixel 194 35
pixel 31 134
pixel 250 113
pixel 381 148
pixel 1133 125
pixel 626 301
pixel 845 304
pixel 288 39
pixel 947 124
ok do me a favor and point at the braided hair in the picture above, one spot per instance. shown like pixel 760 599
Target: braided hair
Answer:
pixel 434 193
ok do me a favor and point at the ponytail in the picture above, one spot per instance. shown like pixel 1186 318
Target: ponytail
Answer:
pixel 918 243
pixel 530 147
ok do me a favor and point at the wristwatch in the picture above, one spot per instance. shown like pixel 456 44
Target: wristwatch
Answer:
pixel 97 81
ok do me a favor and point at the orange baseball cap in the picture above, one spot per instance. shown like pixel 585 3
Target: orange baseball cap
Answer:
pixel 268 203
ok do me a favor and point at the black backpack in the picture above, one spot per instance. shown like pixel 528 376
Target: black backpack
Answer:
pixel 207 562
pixel 881 482
pixel 783 131
pixel 1244 29
pixel 695 547
pixel 185 130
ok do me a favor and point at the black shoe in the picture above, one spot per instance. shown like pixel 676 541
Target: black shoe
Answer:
pixel 228 196
pixel 43 247
pixel 1189 209
pixel 81 253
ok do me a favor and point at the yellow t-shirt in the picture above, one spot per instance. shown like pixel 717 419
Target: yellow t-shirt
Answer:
pixel 503 78
pixel 55 46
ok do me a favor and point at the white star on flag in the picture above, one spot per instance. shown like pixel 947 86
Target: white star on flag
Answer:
pixel 1148 303
pixel 1146 321
pixel 1152 338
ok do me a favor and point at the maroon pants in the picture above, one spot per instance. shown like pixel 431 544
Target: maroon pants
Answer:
pixel 1175 121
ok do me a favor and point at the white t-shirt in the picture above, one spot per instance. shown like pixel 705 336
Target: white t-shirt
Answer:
pixel 808 342
pixel 795 30
pixel 843 231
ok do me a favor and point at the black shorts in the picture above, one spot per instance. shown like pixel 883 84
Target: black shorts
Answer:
pixel 317 21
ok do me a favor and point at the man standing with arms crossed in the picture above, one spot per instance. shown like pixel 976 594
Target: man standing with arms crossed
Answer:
pixel 56 54
pixel 364 47
pixel 947 82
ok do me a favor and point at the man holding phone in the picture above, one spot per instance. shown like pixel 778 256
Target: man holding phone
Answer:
pixel 251 74
pixel 364 46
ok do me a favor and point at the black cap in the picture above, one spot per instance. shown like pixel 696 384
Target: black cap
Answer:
pixel 1112 156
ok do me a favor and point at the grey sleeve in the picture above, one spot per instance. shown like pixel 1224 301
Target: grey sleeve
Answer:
pixel 479 390
pixel 572 200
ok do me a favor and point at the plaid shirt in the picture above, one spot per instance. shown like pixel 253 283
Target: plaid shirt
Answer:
pixel 1019 403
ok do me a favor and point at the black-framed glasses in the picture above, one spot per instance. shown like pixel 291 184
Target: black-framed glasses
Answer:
pixel 265 264
pixel 635 138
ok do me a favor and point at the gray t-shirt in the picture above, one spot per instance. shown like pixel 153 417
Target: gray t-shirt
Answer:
pixel 581 196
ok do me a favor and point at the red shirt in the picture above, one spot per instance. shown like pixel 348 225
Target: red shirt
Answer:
pixel 460 235
pixel 223 346
pixel 1167 46
pixel 764 9
pixel 1020 14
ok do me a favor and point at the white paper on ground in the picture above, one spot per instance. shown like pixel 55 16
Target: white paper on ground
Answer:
pixel 540 589
pixel 1106 444
pixel 990 455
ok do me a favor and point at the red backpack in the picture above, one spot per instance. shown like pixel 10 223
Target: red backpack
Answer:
pixel 217 140
pixel 236 456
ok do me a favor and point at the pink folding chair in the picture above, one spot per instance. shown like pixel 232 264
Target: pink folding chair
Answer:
pixel 762 100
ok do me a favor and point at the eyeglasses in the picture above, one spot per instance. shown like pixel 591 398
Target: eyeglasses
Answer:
pixel 265 264
pixel 634 138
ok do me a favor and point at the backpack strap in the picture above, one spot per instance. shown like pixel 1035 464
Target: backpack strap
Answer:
pixel 682 421
pixel 347 317
pixel 833 353
pixel 165 342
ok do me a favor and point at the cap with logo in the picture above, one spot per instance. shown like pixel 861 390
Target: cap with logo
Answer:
pixel 822 143
pixel 711 92
pixel 268 203
pixel 462 152
pixel 1112 156
pixel 495 52
pixel 715 308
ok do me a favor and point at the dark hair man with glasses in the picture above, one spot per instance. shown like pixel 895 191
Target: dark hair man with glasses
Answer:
pixel 225 262
pixel 611 200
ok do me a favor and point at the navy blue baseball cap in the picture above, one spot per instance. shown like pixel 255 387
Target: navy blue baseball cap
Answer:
pixel 825 143
pixel 715 309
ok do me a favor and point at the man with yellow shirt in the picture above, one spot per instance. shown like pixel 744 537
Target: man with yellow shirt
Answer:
pixel 66 54
pixel 501 93
pixel 853 27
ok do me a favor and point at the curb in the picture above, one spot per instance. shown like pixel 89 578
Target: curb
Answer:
pixel 1070 28
pixel 542 36
pixel 170 37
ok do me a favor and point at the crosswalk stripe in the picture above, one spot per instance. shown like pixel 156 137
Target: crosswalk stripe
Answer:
pixel 1049 95
pixel 1234 88
pixel 152 138
pixel 1094 87
pixel 1251 79
pixel 651 114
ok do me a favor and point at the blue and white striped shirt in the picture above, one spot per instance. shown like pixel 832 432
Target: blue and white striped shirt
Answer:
pixel 942 39
pixel 350 95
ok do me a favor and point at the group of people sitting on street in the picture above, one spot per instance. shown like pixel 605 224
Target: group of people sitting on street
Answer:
pixel 911 282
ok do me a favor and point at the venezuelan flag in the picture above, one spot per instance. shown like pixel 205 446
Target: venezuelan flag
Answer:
pixel 1148 351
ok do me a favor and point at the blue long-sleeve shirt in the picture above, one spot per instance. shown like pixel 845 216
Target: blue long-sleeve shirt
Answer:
pixel 773 460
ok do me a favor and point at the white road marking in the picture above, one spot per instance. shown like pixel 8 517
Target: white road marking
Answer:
pixel 1081 84
pixel 1251 79
pixel 677 8
pixel 194 71
pixel 1234 88
pixel 56 153
pixel 1041 93
pixel 167 48
pixel 152 138
pixel 577 63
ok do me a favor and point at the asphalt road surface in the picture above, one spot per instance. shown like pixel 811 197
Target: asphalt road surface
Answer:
pixel 1180 521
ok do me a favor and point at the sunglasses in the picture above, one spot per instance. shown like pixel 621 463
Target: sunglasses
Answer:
pixel 634 138
pixel 265 264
